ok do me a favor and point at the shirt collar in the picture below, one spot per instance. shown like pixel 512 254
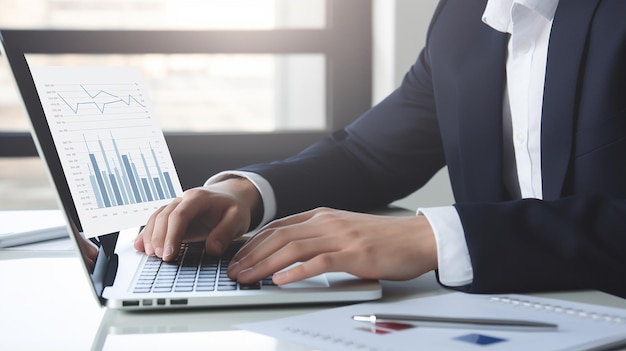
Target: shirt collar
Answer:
pixel 497 13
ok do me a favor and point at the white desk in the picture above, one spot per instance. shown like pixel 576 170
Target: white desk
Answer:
pixel 56 311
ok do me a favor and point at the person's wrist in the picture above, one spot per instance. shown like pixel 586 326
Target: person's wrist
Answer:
pixel 429 242
pixel 246 192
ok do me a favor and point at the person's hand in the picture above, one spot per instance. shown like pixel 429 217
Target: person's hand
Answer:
pixel 326 240
pixel 216 214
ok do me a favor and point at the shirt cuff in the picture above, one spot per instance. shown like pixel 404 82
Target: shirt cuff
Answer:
pixel 262 185
pixel 455 266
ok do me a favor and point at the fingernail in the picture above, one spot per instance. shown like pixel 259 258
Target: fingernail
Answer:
pixel 169 250
pixel 233 266
pixel 244 272
pixel 149 251
pixel 158 251
pixel 279 277
pixel 220 246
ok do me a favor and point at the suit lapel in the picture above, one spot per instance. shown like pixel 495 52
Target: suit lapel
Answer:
pixel 565 59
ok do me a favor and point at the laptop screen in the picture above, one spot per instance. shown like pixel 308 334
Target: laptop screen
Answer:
pixel 112 150
pixel 108 161
pixel 95 129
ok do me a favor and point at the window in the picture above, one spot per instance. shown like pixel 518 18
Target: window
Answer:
pixel 163 14
pixel 253 81
pixel 223 92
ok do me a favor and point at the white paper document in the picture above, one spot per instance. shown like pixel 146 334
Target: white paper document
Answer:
pixel 580 326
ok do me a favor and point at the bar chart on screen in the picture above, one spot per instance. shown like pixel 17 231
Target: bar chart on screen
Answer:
pixel 112 149
pixel 121 181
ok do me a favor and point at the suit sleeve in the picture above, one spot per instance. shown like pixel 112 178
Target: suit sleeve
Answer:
pixel 575 238
pixel 575 242
pixel 530 245
pixel 387 153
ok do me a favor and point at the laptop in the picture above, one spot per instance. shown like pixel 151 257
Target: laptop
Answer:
pixel 95 129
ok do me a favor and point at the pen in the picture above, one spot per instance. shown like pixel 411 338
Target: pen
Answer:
pixel 454 322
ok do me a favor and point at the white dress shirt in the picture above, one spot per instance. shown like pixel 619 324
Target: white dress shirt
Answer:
pixel 529 23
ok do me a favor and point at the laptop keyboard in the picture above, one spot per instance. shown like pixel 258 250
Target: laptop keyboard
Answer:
pixel 193 270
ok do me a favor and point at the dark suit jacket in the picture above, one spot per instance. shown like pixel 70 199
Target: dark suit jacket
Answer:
pixel 448 111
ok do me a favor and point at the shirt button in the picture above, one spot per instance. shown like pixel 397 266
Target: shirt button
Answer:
pixel 520 138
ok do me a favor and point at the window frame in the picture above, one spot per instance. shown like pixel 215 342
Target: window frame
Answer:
pixel 345 42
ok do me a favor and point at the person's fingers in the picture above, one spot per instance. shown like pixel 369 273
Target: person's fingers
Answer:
pixel 215 215
pixel 215 219
pixel 293 219
pixel 139 246
pixel 265 243
pixel 143 242
pixel 161 226
pixel 228 228
pixel 176 223
pixel 280 225
pixel 367 246
pixel 326 262
pixel 272 256
pixel 252 243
